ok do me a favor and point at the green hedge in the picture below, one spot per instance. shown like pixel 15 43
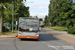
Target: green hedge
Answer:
pixel 71 30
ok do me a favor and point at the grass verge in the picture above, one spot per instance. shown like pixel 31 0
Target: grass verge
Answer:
pixel 72 34
pixel 58 28
pixel 10 32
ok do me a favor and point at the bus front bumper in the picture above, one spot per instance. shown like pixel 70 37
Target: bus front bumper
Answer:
pixel 28 37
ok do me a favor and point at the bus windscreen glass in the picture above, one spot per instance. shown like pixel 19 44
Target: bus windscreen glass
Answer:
pixel 29 24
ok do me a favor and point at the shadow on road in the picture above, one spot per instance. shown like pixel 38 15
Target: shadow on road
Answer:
pixel 46 37
pixel 29 40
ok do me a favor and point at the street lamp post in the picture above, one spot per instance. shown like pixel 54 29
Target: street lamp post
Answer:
pixel 13 17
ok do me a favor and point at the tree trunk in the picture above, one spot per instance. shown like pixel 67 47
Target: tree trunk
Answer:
pixel 1 24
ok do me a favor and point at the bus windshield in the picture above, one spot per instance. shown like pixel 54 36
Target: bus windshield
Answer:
pixel 28 25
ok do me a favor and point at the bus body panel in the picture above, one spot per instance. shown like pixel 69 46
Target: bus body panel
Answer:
pixel 28 34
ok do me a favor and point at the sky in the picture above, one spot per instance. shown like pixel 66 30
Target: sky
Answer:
pixel 38 7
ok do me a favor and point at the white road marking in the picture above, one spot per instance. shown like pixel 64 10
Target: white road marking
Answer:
pixel 50 45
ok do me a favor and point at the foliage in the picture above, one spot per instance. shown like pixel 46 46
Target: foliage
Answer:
pixel 71 30
pixel 20 10
pixel 5 29
pixel 40 19
pixel 61 13
pixel 57 28
pixel 46 20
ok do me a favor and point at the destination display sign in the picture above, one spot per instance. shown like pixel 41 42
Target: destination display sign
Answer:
pixel 29 20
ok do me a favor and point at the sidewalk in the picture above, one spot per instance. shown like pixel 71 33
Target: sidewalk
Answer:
pixel 61 35
pixel 9 36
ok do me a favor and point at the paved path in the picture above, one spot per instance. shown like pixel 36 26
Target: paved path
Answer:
pixel 45 42
pixel 61 35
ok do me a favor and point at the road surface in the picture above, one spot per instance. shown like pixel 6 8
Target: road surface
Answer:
pixel 45 42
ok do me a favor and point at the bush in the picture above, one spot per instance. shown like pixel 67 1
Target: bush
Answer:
pixel 5 29
pixel 11 28
pixel 71 30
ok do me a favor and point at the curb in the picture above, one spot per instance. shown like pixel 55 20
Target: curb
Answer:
pixel 9 37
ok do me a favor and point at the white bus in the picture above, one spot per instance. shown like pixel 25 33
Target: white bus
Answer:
pixel 28 28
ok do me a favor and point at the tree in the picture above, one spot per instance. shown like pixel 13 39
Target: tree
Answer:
pixel 47 20
pixel 2 4
pixel 40 19
pixel 21 11
pixel 61 13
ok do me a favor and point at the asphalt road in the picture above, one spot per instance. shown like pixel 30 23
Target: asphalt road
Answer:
pixel 45 42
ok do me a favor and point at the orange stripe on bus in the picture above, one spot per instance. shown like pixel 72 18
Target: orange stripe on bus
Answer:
pixel 28 37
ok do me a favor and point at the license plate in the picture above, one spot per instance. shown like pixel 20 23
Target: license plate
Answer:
pixel 28 37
